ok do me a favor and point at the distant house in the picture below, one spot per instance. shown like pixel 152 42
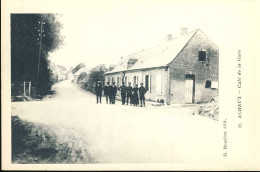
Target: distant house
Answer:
pixel 61 75
pixel 69 75
pixel 181 70
pixel 58 71
pixel 76 75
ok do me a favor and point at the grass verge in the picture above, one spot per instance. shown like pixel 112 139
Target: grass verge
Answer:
pixel 38 144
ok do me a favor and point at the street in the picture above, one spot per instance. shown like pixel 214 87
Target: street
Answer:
pixel 123 134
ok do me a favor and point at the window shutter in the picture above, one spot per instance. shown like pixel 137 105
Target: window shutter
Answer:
pixel 150 83
pixel 214 84
pixel 147 82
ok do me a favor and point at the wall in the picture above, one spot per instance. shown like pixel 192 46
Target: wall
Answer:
pixel 75 78
pixel 187 63
pixel 69 75
pixel 61 77
pixel 156 75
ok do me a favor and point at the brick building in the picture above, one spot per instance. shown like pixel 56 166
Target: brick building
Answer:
pixel 181 70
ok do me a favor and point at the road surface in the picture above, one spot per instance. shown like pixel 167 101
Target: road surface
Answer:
pixel 124 134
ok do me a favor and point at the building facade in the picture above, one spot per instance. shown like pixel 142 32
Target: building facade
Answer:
pixel 80 71
pixel 181 70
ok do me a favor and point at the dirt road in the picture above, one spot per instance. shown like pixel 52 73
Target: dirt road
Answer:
pixel 123 134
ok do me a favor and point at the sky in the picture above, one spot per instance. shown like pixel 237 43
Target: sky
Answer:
pixel 101 32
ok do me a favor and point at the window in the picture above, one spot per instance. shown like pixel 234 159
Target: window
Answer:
pixel 214 85
pixel 208 84
pixel 108 80
pixel 147 82
pixel 131 62
pixel 202 56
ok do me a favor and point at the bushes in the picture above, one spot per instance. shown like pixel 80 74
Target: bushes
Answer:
pixel 94 76
pixel 82 77
pixel 88 82
pixel 30 145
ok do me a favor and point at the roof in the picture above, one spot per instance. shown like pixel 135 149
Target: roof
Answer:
pixel 81 70
pixel 158 56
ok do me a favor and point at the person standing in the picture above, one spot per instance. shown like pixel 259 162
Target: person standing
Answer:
pixel 129 92
pixel 122 88
pixel 135 96
pixel 110 95
pixel 107 92
pixel 98 90
pixel 142 92
pixel 113 90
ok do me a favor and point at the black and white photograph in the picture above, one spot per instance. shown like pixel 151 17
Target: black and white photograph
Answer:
pixel 129 85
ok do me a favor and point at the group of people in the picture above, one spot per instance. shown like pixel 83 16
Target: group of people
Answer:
pixel 128 93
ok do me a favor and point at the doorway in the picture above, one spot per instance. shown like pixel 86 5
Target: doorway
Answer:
pixel 189 88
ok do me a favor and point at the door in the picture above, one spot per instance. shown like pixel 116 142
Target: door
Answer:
pixel 189 89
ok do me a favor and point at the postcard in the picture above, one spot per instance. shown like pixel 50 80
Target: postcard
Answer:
pixel 130 85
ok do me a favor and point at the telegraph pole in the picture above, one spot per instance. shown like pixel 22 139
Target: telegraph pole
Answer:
pixel 39 60
pixel 40 52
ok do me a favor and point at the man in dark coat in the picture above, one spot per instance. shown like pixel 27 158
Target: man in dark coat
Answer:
pixel 122 88
pixel 129 91
pixel 110 94
pixel 107 92
pixel 98 90
pixel 113 92
pixel 135 99
pixel 142 92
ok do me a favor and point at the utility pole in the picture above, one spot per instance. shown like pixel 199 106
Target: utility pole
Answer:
pixel 40 51
pixel 39 60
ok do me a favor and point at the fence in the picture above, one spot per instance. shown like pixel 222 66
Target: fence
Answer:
pixel 22 90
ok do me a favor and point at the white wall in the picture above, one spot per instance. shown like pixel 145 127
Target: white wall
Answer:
pixel 158 81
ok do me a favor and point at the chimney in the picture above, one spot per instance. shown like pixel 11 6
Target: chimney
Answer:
pixel 169 37
pixel 184 30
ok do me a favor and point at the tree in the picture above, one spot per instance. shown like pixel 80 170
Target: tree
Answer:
pixel 96 74
pixel 33 36
pixel 82 77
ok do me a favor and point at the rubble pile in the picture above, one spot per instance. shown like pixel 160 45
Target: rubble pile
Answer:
pixel 210 109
